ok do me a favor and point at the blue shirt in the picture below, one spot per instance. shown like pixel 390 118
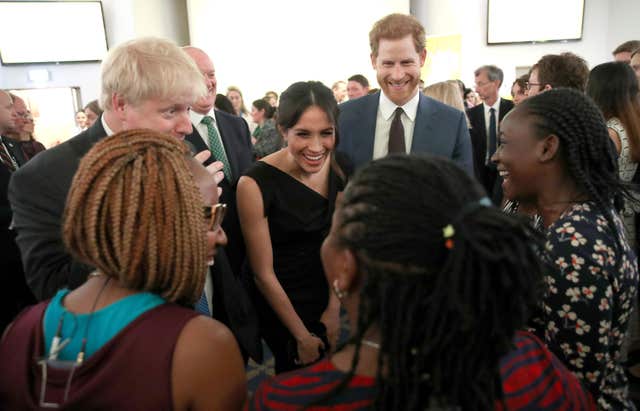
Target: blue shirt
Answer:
pixel 104 325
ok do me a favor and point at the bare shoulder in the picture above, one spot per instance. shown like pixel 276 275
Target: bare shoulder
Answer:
pixel 207 359
pixel 275 159
pixel 613 134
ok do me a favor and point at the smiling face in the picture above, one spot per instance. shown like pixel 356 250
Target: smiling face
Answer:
pixel 204 104
pixel 311 140
pixel 517 157
pixel 81 119
pixel 166 116
pixel 397 67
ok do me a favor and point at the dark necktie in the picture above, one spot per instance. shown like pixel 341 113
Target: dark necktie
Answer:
pixel 396 134
pixel 492 135
pixel 215 145
pixel 5 157
pixel 202 305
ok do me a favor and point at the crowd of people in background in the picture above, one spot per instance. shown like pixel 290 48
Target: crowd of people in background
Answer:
pixel 458 232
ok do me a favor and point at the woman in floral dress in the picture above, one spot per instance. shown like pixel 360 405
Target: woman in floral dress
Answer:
pixel 555 155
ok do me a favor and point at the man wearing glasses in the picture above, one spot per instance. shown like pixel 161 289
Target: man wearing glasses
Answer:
pixel 13 133
pixel 558 70
pixel 485 119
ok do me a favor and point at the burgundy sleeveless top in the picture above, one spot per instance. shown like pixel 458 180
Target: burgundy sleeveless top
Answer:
pixel 131 371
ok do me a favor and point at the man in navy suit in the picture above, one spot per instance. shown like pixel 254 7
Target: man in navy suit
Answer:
pixel 485 119
pixel 226 137
pixel 400 118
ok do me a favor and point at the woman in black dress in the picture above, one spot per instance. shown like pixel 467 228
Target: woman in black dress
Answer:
pixel 285 203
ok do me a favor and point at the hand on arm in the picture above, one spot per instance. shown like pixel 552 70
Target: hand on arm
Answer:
pixel 255 229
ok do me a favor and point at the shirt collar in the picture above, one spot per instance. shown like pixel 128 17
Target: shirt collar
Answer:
pixel 495 106
pixel 388 107
pixel 196 118
pixel 106 127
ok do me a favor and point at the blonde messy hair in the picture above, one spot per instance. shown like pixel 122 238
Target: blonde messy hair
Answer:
pixel 135 213
pixel 149 67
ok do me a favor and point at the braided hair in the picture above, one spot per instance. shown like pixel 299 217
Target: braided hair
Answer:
pixel 446 312
pixel 585 146
pixel 135 213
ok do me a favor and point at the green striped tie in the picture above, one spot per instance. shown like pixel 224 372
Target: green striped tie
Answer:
pixel 215 145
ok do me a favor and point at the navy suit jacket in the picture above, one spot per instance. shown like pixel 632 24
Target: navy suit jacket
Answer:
pixel 439 130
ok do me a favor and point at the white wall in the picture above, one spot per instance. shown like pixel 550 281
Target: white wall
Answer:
pixel 314 40
pixel 606 23
pixel 124 20
pixel 258 46
pixel 625 16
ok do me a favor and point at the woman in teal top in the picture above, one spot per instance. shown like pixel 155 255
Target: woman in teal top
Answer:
pixel 146 215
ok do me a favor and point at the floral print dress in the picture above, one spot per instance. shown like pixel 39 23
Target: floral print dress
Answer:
pixel 589 298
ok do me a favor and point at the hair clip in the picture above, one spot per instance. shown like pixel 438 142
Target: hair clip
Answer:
pixel 448 232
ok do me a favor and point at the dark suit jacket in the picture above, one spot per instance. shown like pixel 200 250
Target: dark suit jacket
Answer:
pixel 236 139
pixel 439 129
pixel 14 293
pixel 485 175
pixel 231 303
pixel 38 192
pixel 15 149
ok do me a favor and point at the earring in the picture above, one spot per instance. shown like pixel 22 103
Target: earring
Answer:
pixel 337 291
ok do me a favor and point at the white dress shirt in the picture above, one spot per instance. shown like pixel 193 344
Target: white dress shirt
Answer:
pixel 386 109
pixel 487 122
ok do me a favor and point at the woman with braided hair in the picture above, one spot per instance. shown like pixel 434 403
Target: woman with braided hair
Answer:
pixel 436 284
pixel 122 340
pixel 556 156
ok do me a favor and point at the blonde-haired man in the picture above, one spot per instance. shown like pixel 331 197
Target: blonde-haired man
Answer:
pixel 146 83
pixel 400 119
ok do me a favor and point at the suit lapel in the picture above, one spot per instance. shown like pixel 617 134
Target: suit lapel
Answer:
pixel 423 128
pixel 505 107
pixel 363 144
pixel 227 142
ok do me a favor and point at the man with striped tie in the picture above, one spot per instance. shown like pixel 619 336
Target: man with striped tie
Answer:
pixel 226 137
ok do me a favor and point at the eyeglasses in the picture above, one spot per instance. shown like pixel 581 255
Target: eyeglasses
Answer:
pixel 214 215
pixel 528 85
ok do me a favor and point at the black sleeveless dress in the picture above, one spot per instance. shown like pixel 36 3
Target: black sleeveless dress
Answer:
pixel 299 219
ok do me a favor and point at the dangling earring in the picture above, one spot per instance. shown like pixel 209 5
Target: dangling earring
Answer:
pixel 337 291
